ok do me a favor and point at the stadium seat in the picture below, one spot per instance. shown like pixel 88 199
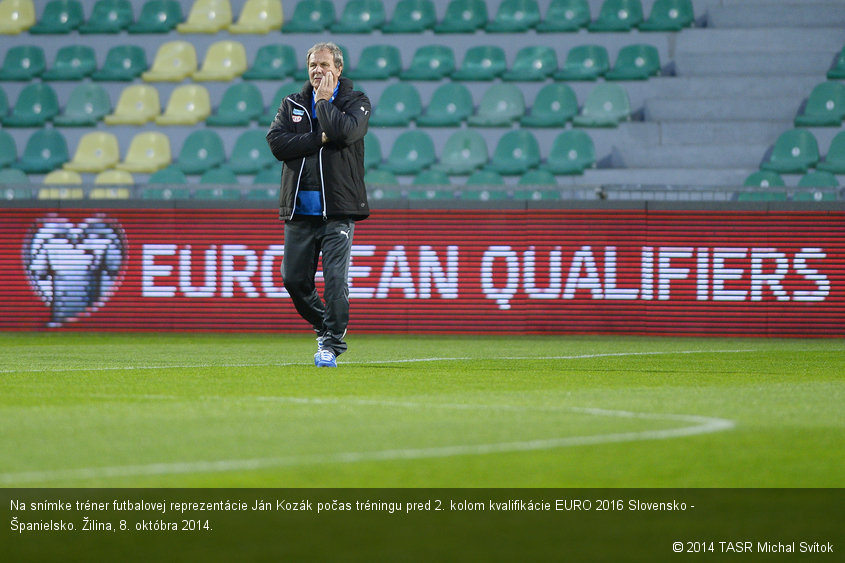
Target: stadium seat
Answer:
pixel 412 152
pixel 834 160
pixel 432 192
pixel 485 178
pixel 201 151
pixel 764 179
pixel 605 106
pixel 262 193
pixel 482 62
pixel 474 189
pixel 95 152
pixel 8 150
pixel 464 152
pixel 16 16
pixel 537 177
pixel 241 104
pixel 430 62
pixel 411 16
pixel 4 104
pixel 218 176
pixel 224 61
pixel 112 178
pixel 618 15
pixel 37 104
pixel 554 106
pixel 541 194
pixel 45 150
pixel 251 153
pixel 108 16
pixel 837 71
pixel 818 179
pixel 360 16
pixel 565 15
pixel 515 16
pixel 500 106
pixel 431 177
pixel 572 152
pixel 281 93
pixel 12 176
pixel 669 15
pixel 516 152
pixel 398 106
pixel 72 62
pixel 380 177
pixel 635 62
pixel 158 16
pixel 168 193
pixel 59 17
pixel 207 16
pixel 310 16
pixel 22 63
pixel 123 63
pixel 148 152
pixel 450 105
pixel 188 105
pixel 825 106
pixel 269 176
pixel 87 104
pixel 532 64
pixel 174 62
pixel 463 16
pixel 584 62
pixel 137 104
pixel 794 152
pixel 259 17
pixel 272 62
pixel 61 177
pixel 168 175
pixel 372 151
pixel 377 62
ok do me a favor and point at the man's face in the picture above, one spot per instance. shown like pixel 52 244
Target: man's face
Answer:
pixel 320 63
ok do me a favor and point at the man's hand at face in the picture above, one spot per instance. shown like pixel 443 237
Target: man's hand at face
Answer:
pixel 327 86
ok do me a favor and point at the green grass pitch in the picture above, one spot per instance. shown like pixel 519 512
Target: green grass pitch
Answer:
pixel 234 410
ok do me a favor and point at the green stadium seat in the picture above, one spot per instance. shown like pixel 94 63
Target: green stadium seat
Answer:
pixel 87 104
pixel 188 105
pixel 554 106
pixel 764 179
pixel 432 193
pixel 482 62
pixel 516 152
pixel 451 103
pixel 464 152
pixel 202 150
pixel 606 106
pixel 23 63
pixel 544 193
pixel 224 61
pixel 584 62
pixel 572 152
pixel 794 152
pixel 241 104
pixel 263 194
pixel 430 62
pixel 36 104
pixel 283 91
pixel 360 16
pixel 618 15
pixel 148 152
pixel 412 152
pixel 11 177
pixel 815 195
pixel 174 61
pixel 565 15
pixel 310 16
pixel 207 16
pixel 398 106
pixel 108 16
pixel 164 193
pixel 377 62
pixel 500 106
pixel 532 64
pixel 95 152
pixel 384 191
pixel 537 177
pixel 372 151
pixel 157 16
pixel 825 106
pixel 45 150
pixel 218 176
pixel 472 193
pixel 837 71
pixel 818 179
pixel 635 62
pixel 515 16
pixel 431 177
pixel 485 178
pixel 463 16
pixel 834 160
pixel 271 175
pixel 59 17
pixel 669 15
pixel 259 17
pixel 8 150
pixel 137 104
pixel 168 175
pixel 272 62
pixel 124 63
pixel 380 177
pixel 73 62
pixel 16 16
pixel 251 153
pixel 411 16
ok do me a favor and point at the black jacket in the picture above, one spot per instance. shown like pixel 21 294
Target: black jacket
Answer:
pixel 294 136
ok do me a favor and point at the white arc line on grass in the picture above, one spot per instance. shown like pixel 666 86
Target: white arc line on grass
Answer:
pixel 699 425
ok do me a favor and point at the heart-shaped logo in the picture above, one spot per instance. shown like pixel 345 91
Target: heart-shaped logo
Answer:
pixel 74 267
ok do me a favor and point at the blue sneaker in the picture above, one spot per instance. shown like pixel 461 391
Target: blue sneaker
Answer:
pixel 325 358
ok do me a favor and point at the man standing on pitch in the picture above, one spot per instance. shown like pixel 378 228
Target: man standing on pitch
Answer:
pixel 318 134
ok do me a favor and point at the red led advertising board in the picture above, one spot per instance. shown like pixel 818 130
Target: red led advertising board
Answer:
pixel 684 272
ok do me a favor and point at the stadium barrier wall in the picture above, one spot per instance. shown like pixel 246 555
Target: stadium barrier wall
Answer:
pixel 698 270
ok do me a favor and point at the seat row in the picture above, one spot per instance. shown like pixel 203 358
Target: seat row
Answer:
pixel 357 16
pixel 797 150
pixel 226 60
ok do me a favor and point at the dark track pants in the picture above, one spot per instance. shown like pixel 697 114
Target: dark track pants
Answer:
pixel 304 241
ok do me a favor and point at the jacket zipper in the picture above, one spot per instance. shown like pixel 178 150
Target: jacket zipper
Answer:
pixel 302 166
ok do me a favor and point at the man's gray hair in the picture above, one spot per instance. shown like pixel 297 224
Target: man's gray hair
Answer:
pixel 326 46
